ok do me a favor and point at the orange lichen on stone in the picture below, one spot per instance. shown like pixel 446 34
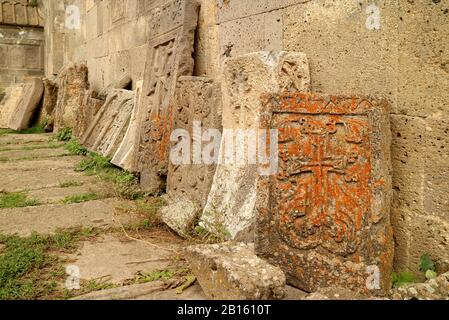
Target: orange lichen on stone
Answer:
pixel 323 197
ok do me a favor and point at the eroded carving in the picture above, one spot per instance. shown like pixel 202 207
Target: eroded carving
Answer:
pixel 108 129
pixel 169 57
pixel 324 217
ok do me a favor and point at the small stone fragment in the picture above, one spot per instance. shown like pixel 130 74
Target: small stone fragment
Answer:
pixel 232 271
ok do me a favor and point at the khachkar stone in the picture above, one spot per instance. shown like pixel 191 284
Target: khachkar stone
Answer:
pixel 230 208
pixel 87 112
pixel 197 120
pixel 48 102
pixel 9 102
pixel 324 218
pixel 108 129
pixel 126 153
pixel 73 84
pixel 27 105
pixel 169 57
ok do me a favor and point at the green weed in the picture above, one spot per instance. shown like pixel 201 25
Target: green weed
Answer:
pixel 80 198
pixel 16 200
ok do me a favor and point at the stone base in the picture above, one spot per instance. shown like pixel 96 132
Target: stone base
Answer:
pixel 232 271
pixel 181 216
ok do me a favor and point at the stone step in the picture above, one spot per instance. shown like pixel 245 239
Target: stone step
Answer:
pixel 57 194
pixel 14 155
pixel 68 162
pixel 31 146
pixel 125 258
pixel 20 180
pixel 47 219
pixel 156 290
pixel 24 138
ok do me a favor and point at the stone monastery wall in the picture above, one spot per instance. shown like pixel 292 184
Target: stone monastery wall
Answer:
pixel 21 41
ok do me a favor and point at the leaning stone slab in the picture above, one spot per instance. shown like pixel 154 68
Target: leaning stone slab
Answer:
pixel 11 99
pixel 171 45
pixel 197 119
pixel 28 105
pixel 230 208
pixel 86 113
pixel 324 217
pixel 73 83
pixel 126 153
pixel 232 271
pixel 108 129
pixel 49 100
pixel 120 83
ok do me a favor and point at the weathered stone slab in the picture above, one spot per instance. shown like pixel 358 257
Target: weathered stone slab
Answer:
pixel 73 83
pixel 197 114
pixel 126 153
pixel 49 102
pixel 27 105
pixel 230 207
pixel 87 112
pixel 108 129
pixel 12 97
pixel 324 218
pixel 170 52
pixel 20 13
pixel 232 271
pixel 120 83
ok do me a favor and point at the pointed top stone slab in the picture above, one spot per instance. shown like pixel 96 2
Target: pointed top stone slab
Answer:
pixel 171 46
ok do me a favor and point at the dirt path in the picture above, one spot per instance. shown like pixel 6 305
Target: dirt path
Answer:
pixel 56 197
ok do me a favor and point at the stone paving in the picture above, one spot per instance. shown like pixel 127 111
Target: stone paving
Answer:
pixel 44 171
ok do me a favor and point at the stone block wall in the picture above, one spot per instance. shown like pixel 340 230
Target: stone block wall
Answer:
pixel 391 49
pixel 112 38
pixel 21 42
pixel 397 50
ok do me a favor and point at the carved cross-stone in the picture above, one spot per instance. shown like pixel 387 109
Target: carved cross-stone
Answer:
pixel 170 55
pixel 324 218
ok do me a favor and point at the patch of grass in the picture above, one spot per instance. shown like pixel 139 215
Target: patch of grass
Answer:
pixel 150 208
pixel 80 198
pixel 68 184
pixel 40 128
pixel 64 135
pixel 125 182
pixel 213 229
pixel 402 279
pixel 37 129
pixel 94 164
pixel 154 276
pixel 94 285
pixel 29 268
pixel 75 148
pixel 16 200
pixel 29 148
pixel 6 131
pixel 427 265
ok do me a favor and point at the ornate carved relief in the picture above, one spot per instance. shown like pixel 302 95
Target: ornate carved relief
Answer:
pixel 324 218
pixel 169 57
